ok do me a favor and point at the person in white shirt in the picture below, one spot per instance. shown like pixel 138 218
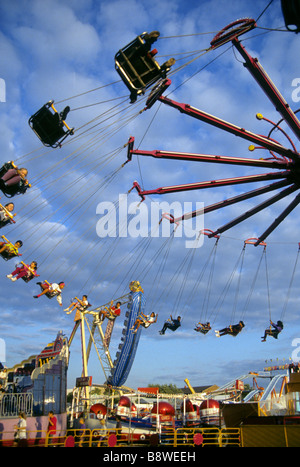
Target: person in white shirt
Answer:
pixel 5 214
pixel 144 320
pixel 51 290
pixel 20 429
pixel 78 304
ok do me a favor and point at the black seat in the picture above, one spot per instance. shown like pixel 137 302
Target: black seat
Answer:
pixel 291 14
pixel 12 190
pixel 49 126
pixel 6 256
pixel 137 67
pixel 29 277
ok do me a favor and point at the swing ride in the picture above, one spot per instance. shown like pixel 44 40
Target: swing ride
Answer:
pixel 98 325
pixel 140 72
pixel 285 160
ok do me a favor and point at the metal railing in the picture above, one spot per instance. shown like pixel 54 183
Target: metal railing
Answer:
pixel 11 404
pixel 246 436
pixel 110 438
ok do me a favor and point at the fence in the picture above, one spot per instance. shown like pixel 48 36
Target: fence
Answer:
pixel 110 438
pixel 246 436
pixel 12 404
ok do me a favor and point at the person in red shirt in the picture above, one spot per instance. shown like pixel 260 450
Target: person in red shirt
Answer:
pixel 26 271
pixel 51 431
pixel 111 313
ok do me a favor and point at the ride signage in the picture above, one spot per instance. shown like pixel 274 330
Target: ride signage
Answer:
pixel 83 381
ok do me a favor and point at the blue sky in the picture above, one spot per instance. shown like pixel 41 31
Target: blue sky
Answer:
pixel 58 50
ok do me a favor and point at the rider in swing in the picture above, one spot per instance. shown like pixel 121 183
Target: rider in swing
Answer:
pixel 232 330
pixel 110 313
pixel 24 271
pixel 9 250
pixel 5 214
pixel 78 304
pixel 51 290
pixel 13 180
pixel 144 320
pixel 277 328
pixel 202 327
pixel 172 324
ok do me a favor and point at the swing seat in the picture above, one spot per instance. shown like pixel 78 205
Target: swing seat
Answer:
pixel 235 329
pixel 48 126
pixel 137 67
pixel 10 219
pixel 12 190
pixel 29 277
pixel 233 333
pixel 84 308
pixel 172 327
pixel 108 315
pixel 7 221
pixel 47 284
pixel 111 318
pixel 7 256
pixel 202 330
pixel 291 14
pixel 50 294
pixel 111 315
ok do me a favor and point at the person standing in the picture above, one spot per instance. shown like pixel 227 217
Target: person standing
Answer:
pixel 81 432
pixel 20 431
pixel 51 430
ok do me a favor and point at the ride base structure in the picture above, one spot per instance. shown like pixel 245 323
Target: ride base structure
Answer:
pixel 91 326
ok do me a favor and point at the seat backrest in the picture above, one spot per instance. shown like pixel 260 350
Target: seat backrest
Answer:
pixel 47 126
pixel 291 13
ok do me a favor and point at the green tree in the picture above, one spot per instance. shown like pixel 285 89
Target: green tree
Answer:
pixel 166 388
